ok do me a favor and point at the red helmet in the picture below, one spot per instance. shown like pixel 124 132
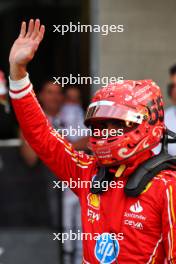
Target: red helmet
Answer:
pixel 139 103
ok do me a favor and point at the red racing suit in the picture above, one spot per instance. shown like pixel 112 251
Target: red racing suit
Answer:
pixel 116 228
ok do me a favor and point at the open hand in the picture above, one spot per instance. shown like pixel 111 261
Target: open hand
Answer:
pixel 25 46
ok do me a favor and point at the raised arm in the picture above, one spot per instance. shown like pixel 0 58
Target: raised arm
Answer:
pixel 56 152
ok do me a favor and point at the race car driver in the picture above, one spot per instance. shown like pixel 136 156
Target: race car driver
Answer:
pixel 116 228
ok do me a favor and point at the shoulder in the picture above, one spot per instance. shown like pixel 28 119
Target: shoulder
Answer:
pixel 165 178
pixel 164 188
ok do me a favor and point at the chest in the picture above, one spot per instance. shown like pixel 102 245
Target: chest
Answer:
pixel 114 212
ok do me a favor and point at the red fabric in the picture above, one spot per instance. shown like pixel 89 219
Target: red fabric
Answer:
pixel 145 226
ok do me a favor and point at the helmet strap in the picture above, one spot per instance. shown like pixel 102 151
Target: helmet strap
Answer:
pixel 120 170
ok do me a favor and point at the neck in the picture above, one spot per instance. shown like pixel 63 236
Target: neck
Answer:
pixel 133 163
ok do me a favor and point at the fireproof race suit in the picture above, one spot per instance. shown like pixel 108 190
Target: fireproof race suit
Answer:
pixel 116 228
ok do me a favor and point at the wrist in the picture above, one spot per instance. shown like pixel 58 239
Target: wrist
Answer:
pixel 20 88
pixel 18 85
pixel 17 72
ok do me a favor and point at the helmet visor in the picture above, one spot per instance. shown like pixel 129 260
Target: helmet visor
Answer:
pixel 110 110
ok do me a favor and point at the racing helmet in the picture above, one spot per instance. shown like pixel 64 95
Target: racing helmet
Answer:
pixel 137 109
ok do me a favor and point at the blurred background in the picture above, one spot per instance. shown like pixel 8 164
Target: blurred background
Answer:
pixel 30 209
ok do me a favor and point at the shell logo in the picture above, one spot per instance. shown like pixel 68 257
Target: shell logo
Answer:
pixel 94 200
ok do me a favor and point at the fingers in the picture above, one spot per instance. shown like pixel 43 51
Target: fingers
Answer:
pixel 36 29
pixel 30 28
pixel 39 37
pixel 23 29
pixel 40 34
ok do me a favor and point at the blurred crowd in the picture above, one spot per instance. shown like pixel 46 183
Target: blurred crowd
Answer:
pixel 33 202
pixel 170 112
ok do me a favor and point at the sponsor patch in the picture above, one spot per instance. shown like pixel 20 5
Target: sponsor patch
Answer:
pixel 106 249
